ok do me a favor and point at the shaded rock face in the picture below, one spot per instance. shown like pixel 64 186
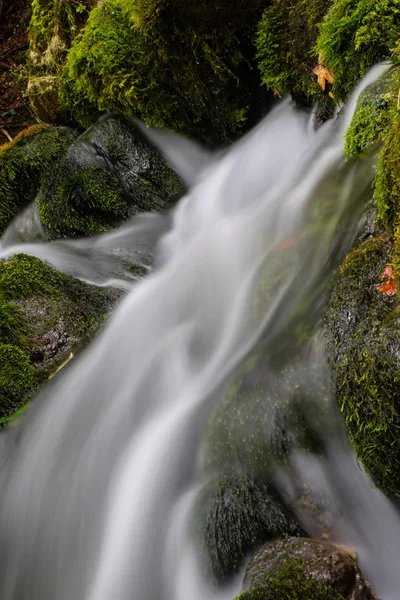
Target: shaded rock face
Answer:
pixel 110 173
pixel 236 515
pixel 363 335
pixel 328 567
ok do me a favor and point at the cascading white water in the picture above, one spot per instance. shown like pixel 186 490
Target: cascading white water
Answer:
pixel 98 484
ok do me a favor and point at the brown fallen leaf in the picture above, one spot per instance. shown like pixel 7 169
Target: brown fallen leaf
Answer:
pixel 324 75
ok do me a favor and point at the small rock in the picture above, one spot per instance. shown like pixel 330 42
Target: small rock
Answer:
pixel 318 569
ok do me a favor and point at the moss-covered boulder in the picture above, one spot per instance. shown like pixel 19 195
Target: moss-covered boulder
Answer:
pixel 185 66
pixel 25 162
pixel 355 35
pixel 110 173
pixel 52 28
pixel 304 569
pixel 286 37
pixel 236 516
pixel 44 316
pixel 363 335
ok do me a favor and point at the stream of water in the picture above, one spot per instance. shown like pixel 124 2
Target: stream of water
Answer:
pixel 99 482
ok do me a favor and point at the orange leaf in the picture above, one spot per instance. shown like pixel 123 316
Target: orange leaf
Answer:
pixel 389 287
pixel 324 75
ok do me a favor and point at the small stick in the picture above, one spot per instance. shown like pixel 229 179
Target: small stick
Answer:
pixel 5 132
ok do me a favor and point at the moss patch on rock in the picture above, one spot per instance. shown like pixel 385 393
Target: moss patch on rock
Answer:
pixel 371 118
pixel 363 336
pixel 304 569
pixel 355 35
pixel 290 583
pixel 24 163
pixel 285 41
pixel 173 64
pixel 44 316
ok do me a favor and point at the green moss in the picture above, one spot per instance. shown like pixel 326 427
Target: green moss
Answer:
pixel 371 118
pixel 387 183
pixel 363 336
pixel 290 582
pixel 285 42
pixel 23 165
pixel 133 53
pixel 11 322
pixel 26 276
pixel 17 377
pixel 80 193
pixel 355 35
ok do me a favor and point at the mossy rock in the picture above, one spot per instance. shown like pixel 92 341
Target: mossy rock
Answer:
pixel 110 173
pixel 363 335
pixel 44 316
pixel 184 66
pixel 236 516
pixel 304 569
pixel 25 162
pixel 371 118
pixel 354 36
pixel 286 37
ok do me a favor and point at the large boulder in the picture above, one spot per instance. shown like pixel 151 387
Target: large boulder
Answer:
pixel 45 316
pixel 110 173
pixel 363 336
pixel 304 569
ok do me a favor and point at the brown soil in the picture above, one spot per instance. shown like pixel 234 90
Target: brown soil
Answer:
pixel 15 113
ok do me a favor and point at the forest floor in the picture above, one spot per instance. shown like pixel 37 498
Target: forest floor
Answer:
pixel 15 113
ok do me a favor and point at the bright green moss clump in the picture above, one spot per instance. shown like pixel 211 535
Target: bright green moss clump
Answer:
pixel 90 190
pixel 355 35
pixel 290 582
pixel 17 377
pixel 371 118
pixel 285 41
pixel 363 337
pixel 173 64
pixel 23 165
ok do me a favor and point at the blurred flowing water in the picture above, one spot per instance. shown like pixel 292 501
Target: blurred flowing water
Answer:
pixel 99 482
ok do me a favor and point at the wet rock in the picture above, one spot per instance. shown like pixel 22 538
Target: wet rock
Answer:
pixel 236 515
pixel 307 569
pixel 363 335
pixel 110 173
pixel 44 317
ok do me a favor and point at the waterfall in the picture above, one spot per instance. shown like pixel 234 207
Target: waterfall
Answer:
pixel 99 483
